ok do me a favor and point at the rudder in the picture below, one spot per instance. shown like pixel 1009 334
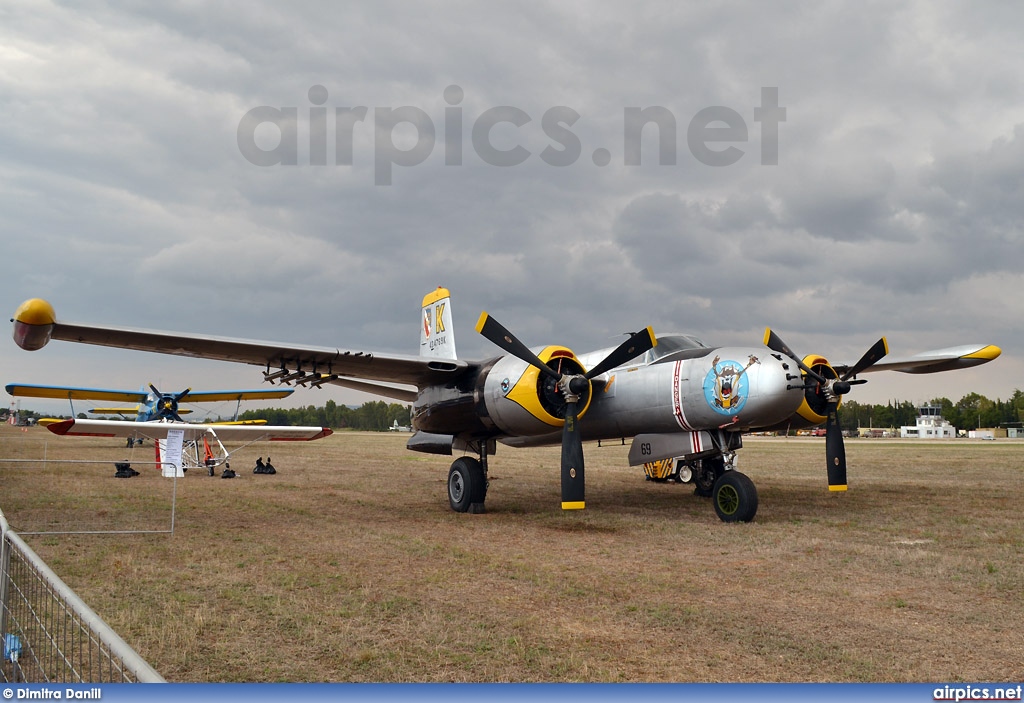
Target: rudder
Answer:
pixel 437 335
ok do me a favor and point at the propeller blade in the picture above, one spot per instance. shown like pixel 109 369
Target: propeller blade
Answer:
pixel 573 481
pixel 835 450
pixel 637 344
pixel 181 395
pixel 775 343
pixel 871 357
pixel 496 333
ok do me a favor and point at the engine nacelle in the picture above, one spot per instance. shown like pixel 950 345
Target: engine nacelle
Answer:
pixel 522 401
pixel 33 324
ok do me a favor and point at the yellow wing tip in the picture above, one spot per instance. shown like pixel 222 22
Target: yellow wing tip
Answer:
pixel 482 321
pixel 987 353
pixel 35 311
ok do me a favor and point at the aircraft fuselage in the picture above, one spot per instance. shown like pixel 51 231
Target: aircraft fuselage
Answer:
pixel 730 388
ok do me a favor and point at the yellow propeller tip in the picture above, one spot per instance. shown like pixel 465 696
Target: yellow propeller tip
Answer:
pixel 480 322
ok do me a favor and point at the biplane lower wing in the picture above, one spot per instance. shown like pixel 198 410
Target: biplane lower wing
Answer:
pixel 193 432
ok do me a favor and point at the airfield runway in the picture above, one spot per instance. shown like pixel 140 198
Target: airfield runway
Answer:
pixel 347 565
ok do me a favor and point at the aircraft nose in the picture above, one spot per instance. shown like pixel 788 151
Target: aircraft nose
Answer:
pixel 778 389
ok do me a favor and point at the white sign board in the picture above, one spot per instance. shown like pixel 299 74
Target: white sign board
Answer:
pixel 170 453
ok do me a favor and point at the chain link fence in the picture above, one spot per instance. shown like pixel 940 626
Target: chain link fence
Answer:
pixel 49 634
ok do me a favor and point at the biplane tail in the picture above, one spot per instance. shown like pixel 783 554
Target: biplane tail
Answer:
pixel 437 334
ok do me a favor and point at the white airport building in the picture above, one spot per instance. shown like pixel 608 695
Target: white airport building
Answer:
pixel 930 425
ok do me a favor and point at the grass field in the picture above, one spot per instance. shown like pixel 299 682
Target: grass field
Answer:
pixel 348 564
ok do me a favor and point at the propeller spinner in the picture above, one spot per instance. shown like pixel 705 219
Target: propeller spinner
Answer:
pixel 571 386
pixel 831 390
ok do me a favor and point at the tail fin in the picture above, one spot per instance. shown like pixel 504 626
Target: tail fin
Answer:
pixel 437 335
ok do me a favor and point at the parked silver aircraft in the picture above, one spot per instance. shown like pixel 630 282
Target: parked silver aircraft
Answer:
pixel 674 395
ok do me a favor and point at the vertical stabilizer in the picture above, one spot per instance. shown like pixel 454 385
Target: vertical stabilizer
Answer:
pixel 437 335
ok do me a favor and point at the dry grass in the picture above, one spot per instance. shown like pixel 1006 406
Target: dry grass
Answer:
pixel 349 566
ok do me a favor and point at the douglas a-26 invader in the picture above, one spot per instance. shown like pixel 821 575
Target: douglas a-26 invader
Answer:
pixel 675 396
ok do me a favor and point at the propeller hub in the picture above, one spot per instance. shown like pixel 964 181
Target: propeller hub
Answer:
pixel 841 388
pixel 573 387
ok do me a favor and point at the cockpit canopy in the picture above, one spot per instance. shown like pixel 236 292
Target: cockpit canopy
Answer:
pixel 670 344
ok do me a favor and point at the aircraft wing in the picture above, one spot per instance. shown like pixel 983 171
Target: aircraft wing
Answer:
pixel 949 359
pixel 35 324
pixel 158 430
pixel 217 396
pixel 127 411
pixel 29 390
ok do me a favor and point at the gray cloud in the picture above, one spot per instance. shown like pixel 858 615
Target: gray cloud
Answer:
pixel 895 207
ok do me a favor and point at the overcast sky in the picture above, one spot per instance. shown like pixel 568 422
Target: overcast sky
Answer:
pixel 134 191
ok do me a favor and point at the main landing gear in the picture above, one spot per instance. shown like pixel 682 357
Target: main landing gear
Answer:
pixel 467 485
pixel 732 493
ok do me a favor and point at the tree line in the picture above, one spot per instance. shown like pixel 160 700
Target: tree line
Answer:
pixel 969 413
pixel 375 415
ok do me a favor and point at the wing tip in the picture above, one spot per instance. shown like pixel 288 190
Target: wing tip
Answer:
pixel 34 321
pixel 986 353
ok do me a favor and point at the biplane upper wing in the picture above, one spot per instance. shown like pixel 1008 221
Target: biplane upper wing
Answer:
pixel 253 394
pixel 158 430
pixel 948 359
pixel 30 390
pixel 35 324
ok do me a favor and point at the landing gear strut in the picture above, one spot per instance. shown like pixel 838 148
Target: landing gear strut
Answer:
pixel 705 473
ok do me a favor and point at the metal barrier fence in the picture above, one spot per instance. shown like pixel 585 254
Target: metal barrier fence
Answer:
pixel 49 634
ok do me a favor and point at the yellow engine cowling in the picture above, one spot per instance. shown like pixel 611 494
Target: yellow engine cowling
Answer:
pixel 520 400
pixel 813 408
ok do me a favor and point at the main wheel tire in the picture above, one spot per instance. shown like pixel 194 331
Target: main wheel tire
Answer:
pixel 735 497
pixel 466 484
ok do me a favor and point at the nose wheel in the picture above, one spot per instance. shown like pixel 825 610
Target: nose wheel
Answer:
pixel 734 497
